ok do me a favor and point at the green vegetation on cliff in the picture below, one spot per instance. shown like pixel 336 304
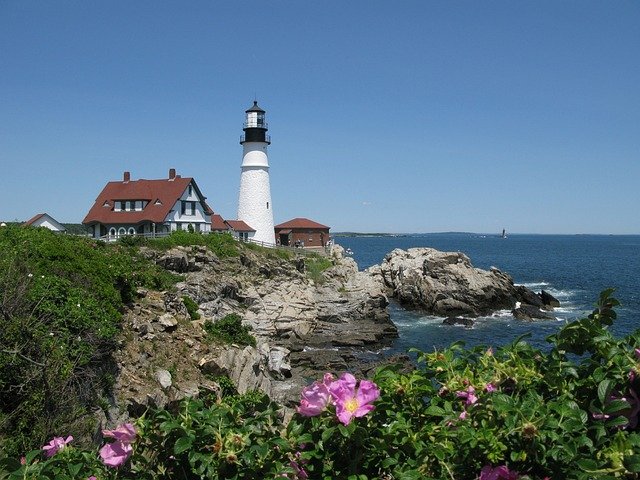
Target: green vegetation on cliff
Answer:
pixel 60 308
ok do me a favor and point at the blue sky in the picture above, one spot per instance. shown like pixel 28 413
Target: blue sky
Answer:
pixel 407 116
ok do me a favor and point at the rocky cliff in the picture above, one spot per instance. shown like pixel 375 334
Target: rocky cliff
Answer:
pixel 302 327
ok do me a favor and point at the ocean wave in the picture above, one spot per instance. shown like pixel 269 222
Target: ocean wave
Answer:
pixel 533 285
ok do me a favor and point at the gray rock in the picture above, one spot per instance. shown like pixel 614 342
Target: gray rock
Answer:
pixel 549 300
pixel 445 283
pixel 163 377
pixel 167 322
pixel 531 312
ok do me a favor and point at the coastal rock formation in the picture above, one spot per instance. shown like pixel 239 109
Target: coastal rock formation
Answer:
pixel 446 284
pixel 302 327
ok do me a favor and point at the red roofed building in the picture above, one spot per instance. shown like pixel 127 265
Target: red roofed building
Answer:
pixel 302 232
pixel 149 207
pixel 241 230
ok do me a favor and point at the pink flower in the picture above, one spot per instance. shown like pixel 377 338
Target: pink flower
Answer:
pixel 490 387
pixel 125 433
pixel 23 460
pixel 115 454
pixel 637 352
pixel 92 478
pixel 351 401
pixel 469 395
pixel 55 445
pixel 502 472
pixel 300 472
pixel 463 415
pixel 315 399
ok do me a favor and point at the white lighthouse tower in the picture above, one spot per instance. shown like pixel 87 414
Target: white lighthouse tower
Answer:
pixel 254 203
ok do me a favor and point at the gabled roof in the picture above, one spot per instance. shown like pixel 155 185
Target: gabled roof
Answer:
pixel 302 223
pixel 239 226
pixel 45 217
pixel 218 223
pixel 161 195
pixel 34 218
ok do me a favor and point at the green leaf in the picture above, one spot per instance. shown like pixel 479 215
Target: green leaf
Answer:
pixel 632 463
pixel 617 422
pixel 344 431
pixel 74 469
pixel 616 406
pixel 182 444
pixel 604 389
pixel 327 433
pixel 435 411
pixel 587 464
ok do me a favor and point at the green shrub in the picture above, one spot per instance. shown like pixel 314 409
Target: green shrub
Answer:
pixel 222 244
pixel 229 330
pixel 192 307
pixel 61 304
pixel 315 265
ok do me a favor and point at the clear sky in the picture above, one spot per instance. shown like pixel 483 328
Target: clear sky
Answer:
pixel 395 116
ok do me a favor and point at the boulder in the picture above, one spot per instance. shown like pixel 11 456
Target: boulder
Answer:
pixel 549 300
pixel 445 283
pixel 466 322
pixel 531 312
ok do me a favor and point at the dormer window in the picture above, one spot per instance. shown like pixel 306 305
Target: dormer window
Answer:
pixel 158 202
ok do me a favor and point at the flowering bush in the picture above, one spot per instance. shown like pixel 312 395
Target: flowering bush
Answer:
pixel 467 414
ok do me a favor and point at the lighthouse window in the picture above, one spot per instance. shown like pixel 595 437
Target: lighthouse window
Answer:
pixel 267 205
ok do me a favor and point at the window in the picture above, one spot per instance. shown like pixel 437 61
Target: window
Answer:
pixel 188 208
pixel 267 205
pixel 112 232
pixel 190 189
pixel 132 231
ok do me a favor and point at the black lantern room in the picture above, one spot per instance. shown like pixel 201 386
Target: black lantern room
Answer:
pixel 255 126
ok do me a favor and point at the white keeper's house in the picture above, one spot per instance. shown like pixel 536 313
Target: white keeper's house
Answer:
pixel 149 207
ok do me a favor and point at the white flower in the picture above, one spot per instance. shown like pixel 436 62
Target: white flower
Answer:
pixel 30 275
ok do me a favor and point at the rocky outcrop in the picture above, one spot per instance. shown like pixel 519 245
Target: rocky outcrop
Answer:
pixel 446 284
pixel 303 328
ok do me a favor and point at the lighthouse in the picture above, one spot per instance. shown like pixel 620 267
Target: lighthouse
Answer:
pixel 254 202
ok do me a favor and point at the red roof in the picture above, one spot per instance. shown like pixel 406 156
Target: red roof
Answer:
pixel 162 195
pixel 218 224
pixel 302 223
pixel 33 219
pixel 239 226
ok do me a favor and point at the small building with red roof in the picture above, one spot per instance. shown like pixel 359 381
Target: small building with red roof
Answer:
pixel 241 230
pixel 302 232
pixel 45 220
pixel 148 207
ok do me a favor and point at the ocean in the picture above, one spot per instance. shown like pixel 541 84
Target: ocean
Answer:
pixel 573 268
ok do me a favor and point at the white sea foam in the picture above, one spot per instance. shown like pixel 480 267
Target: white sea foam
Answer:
pixel 533 285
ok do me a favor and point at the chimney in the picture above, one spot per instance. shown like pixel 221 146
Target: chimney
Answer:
pixel 127 177
pixel 172 173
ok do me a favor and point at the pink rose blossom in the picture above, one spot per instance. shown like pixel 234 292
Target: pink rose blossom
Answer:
pixel 55 445
pixel 498 473
pixel 125 433
pixel 351 401
pixel 115 454
pixel 315 399
pixel 469 395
